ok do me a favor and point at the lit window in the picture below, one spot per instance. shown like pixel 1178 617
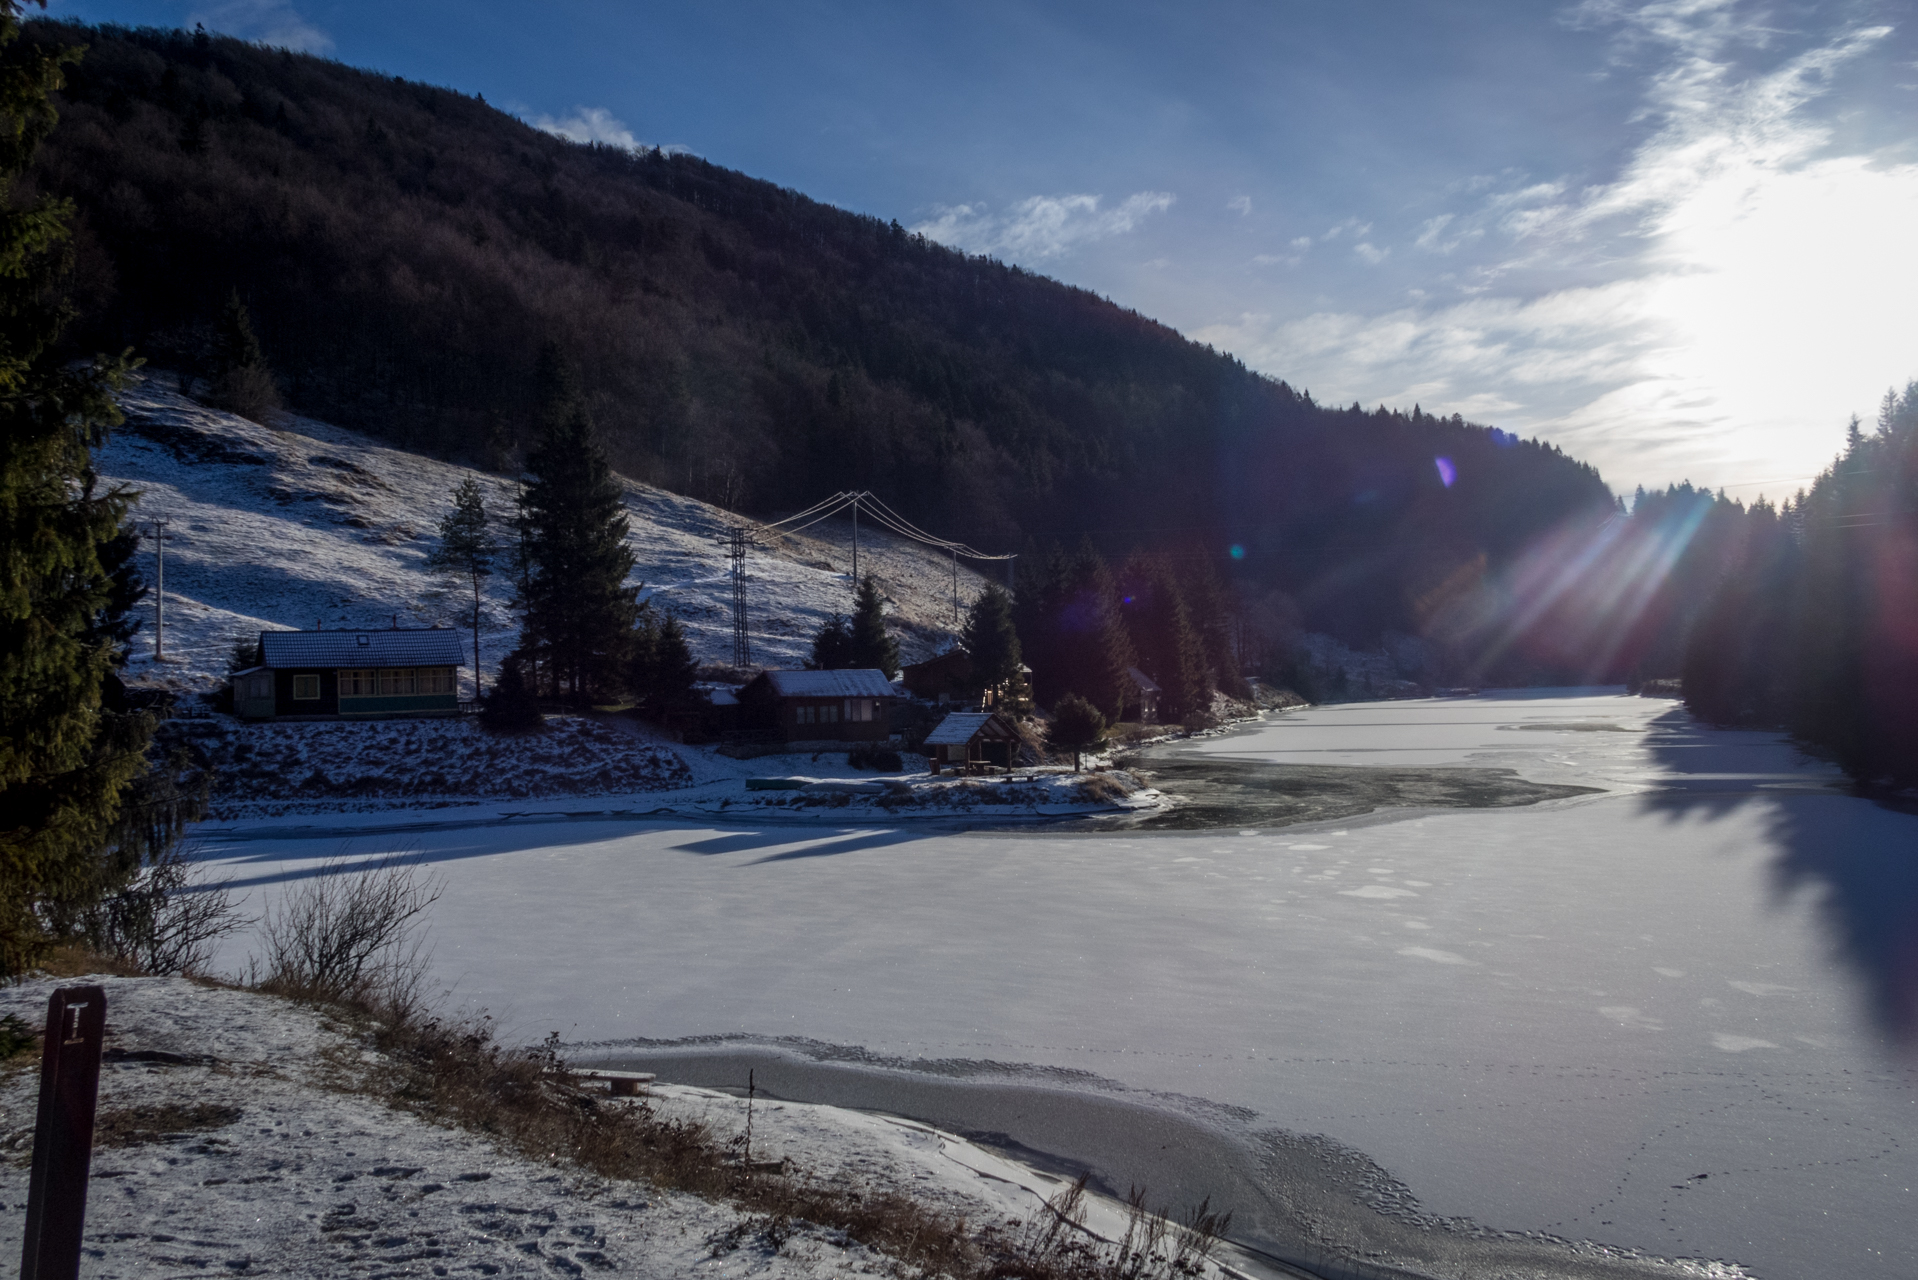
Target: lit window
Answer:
pixel 396 682
pixel 306 688
pixel 436 680
pixel 358 684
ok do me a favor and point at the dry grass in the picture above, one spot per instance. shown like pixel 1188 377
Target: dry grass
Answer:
pixel 76 961
pixel 454 1073
pixel 136 1126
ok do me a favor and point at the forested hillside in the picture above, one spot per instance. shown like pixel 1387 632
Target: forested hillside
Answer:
pixel 404 251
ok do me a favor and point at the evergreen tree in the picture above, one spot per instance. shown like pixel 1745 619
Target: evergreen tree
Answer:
pixel 578 609
pixel 1169 648
pixel 242 382
pixel 869 645
pixel 512 706
pixel 664 670
pixel 1094 650
pixel 67 760
pixel 1077 726
pixel 832 646
pixel 466 551
pixel 992 642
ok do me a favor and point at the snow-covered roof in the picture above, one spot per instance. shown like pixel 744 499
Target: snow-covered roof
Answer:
pixel 419 648
pixel 1145 682
pixel 856 682
pixel 964 726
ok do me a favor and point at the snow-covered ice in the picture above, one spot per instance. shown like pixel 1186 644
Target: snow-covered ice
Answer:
pixel 1671 1017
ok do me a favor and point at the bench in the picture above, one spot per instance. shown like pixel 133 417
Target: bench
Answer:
pixel 624 1084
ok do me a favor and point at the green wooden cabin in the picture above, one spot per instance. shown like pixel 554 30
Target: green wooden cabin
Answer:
pixel 352 675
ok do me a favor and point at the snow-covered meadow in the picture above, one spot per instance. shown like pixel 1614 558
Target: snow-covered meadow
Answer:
pixel 1670 1017
pixel 308 524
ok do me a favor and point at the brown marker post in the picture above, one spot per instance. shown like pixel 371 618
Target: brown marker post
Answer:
pixel 63 1134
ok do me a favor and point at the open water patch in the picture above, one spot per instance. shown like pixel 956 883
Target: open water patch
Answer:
pixel 1208 791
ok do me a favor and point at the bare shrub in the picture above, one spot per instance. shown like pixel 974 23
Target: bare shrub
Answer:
pixel 166 921
pixel 351 935
pixel 1053 1244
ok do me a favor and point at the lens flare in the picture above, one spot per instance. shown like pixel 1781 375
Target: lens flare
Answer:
pixel 1447 472
pixel 1237 552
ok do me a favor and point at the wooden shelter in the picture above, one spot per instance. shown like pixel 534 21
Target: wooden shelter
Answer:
pixel 969 740
pixel 946 678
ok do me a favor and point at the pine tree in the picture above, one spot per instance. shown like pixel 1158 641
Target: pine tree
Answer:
pixel 578 609
pixel 1077 726
pixel 832 645
pixel 512 706
pixel 992 642
pixel 242 382
pixel 466 551
pixel 66 760
pixel 869 643
pixel 1169 648
pixel 1094 649
pixel 671 669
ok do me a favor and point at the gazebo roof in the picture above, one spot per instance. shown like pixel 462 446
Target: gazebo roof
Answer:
pixel 962 727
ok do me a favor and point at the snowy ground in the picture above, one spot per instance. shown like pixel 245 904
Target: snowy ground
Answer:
pixel 288 1171
pixel 1664 1018
pixel 311 524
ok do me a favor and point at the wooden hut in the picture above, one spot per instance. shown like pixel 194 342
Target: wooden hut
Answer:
pixel 352 675
pixel 820 706
pixel 946 678
pixel 970 740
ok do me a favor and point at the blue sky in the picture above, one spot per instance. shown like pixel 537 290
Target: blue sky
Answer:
pixel 1674 238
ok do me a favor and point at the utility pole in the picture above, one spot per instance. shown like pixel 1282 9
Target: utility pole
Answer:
pixel 736 542
pixel 855 547
pixel 955 590
pixel 159 591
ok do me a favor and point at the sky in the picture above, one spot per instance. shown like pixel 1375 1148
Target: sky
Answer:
pixel 1675 239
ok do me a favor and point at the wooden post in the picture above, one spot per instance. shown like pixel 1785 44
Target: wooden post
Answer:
pixel 63 1134
pixel 159 591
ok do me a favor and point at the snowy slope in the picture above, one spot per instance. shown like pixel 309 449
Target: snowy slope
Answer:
pixel 294 1172
pixel 308 524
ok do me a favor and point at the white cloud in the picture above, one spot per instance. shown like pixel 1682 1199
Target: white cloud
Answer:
pixel 1302 243
pixel 1745 289
pixel 269 22
pixel 1241 205
pixel 1042 226
pixel 1372 254
pixel 595 124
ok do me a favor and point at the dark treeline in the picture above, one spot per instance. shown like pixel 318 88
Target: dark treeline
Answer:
pixel 1813 623
pixel 404 251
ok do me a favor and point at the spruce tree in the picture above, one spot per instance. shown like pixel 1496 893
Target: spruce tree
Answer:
pixel 1169 648
pixel 578 611
pixel 672 671
pixel 466 551
pixel 66 759
pixel 1077 726
pixel 869 643
pixel 992 642
pixel 1094 650
pixel 242 382
pixel 832 645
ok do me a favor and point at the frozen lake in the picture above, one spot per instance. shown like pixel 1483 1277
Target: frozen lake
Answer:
pixel 1676 1016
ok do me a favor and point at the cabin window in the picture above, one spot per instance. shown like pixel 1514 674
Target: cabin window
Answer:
pixel 436 680
pixel 803 714
pixel 829 715
pixel 306 688
pixel 859 709
pixel 358 684
pixel 397 682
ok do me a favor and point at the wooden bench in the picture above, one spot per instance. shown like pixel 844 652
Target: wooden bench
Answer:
pixel 624 1084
